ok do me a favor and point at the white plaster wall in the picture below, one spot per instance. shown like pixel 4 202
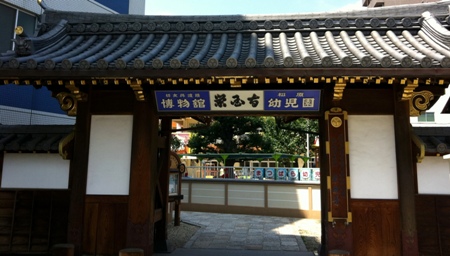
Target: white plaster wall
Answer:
pixel 35 171
pixel 63 5
pixel 109 155
pixel 373 169
pixel 433 176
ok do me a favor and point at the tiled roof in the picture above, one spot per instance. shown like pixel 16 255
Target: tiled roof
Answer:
pixel 81 42
pixel 33 138
pixel 435 139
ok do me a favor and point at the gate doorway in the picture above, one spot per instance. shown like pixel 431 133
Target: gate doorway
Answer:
pixel 119 75
pixel 253 191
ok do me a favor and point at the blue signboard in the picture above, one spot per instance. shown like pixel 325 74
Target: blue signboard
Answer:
pixel 270 100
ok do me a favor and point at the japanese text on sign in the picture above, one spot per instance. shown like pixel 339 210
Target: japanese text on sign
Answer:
pixel 193 101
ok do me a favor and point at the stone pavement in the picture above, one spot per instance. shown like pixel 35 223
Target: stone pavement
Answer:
pixel 246 235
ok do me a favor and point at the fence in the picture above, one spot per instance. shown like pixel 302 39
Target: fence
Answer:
pixel 297 199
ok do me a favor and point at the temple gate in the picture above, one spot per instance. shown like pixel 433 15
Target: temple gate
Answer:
pixel 373 69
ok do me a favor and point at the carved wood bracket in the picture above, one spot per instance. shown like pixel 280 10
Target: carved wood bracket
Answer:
pixel 420 102
pixel 138 90
pixel 68 102
pixel 65 147
pixel 420 145
pixel 75 91
pixel 339 88
pixel 409 88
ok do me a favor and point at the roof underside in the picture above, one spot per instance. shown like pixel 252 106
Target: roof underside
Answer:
pixel 33 138
pixel 436 140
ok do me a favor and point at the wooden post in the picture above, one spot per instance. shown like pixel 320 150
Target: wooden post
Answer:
pixel 405 174
pixel 131 252
pixel 339 217
pixel 78 176
pixel 63 250
pixel 142 179
pixel 177 213
pixel 161 226
pixel 339 253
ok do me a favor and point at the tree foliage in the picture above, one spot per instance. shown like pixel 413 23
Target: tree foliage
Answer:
pixel 230 135
pixel 253 135
pixel 289 137
pixel 175 143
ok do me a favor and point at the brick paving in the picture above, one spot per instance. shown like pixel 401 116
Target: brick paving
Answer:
pixel 243 232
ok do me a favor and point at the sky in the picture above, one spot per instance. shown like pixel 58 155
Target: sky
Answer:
pixel 225 7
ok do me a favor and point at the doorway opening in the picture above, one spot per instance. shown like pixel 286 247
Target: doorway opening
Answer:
pixel 231 171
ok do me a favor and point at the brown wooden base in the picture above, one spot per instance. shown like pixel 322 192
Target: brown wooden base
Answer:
pixel 376 227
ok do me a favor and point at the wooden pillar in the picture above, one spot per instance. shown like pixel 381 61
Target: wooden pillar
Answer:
pixel 131 252
pixel 78 176
pixel 323 189
pixel 161 226
pixel 405 174
pixel 143 171
pixel 339 227
pixel 63 250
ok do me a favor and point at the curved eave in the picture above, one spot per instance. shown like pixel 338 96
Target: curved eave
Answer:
pixel 278 47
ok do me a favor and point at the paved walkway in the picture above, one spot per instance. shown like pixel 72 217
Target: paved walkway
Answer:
pixel 244 235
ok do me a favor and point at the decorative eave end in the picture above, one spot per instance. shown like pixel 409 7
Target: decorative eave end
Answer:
pixel 24 45
pixel 43 5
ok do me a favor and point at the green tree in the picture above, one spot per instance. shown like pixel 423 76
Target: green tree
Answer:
pixel 230 135
pixel 289 137
pixel 175 143
pixel 253 134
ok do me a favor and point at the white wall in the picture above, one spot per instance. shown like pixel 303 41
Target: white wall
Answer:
pixel 109 155
pixel 35 171
pixel 433 176
pixel 373 168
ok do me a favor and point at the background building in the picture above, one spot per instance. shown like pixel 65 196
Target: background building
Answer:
pixel 27 105
pixel 381 3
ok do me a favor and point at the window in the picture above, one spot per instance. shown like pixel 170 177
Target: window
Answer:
pixel 8 17
pixel 427 117
pixel 8 21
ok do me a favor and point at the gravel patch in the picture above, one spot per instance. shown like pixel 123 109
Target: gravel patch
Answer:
pixel 178 236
